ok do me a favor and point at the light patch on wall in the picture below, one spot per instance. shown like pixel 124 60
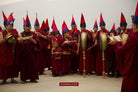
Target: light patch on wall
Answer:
pixel 5 2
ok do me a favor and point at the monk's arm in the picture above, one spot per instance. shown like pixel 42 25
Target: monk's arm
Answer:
pixel 129 44
pixel 2 40
pixel 33 40
pixel 43 36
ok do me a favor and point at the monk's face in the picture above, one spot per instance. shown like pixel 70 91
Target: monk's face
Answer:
pixel 135 27
pixel 66 34
pixel 123 28
pixel 56 35
pixel 112 34
pixel 27 29
pixel 9 28
pixel 102 27
pixel 36 28
pixel 75 38
pixel 95 29
pixel 47 32
pixel 117 32
pixel 73 27
pixel 83 29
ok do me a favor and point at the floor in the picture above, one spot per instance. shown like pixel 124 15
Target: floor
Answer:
pixel 47 83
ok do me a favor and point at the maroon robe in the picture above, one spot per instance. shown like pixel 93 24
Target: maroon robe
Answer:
pixel 94 52
pixel 56 59
pixel 130 64
pixel 89 64
pixel 28 60
pixel 99 62
pixel 48 53
pixel 75 57
pixel 119 55
pixel 111 59
pixel 41 60
pixel 66 57
pixel 8 62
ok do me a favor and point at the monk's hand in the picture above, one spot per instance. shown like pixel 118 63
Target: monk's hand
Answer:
pixel 33 40
pixel 6 37
pixel 21 41
pixel 123 42
pixel 77 51
pixel 38 33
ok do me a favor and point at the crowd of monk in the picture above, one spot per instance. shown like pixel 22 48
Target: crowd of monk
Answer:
pixel 63 54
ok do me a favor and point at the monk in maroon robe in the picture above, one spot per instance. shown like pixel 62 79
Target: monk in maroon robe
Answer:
pixel 119 55
pixel 66 47
pixel 48 46
pixel 95 48
pixel 130 65
pixel 28 60
pixel 56 55
pixel 41 52
pixel 75 51
pixel 110 57
pixel 88 53
pixel 8 61
pixel 99 62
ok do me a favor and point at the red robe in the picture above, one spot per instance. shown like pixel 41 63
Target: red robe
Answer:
pixel 94 51
pixel 28 60
pixel 119 55
pixel 8 62
pixel 56 59
pixel 75 57
pixel 41 60
pixel 66 57
pixel 48 55
pixel 89 64
pixel 99 62
pixel 130 64
pixel 110 59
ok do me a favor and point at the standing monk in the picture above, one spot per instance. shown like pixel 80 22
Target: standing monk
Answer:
pixel 41 52
pixel 89 57
pixel 95 48
pixel 111 59
pixel 56 53
pixel 28 60
pixel 8 62
pixel 119 55
pixel 130 67
pixel 49 46
pixel 66 57
pixel 99 62
pixel 76 50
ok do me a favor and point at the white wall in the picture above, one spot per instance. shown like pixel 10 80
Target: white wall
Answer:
pixel 63 10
